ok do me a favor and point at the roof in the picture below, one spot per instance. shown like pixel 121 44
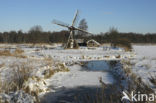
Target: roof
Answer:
pixel 92 40
pixel 80 40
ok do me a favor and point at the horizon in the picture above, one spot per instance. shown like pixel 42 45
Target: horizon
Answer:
pixel 136 16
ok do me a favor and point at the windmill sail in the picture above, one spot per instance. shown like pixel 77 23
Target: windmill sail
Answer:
pixel 82 30
pixel 60 23
pixel 75 18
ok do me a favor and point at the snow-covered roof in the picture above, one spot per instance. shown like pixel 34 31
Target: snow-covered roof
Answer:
pixel 92 40
pixel 79 40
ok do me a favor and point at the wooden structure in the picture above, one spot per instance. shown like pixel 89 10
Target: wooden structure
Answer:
pixel 71 43
pixel 92 43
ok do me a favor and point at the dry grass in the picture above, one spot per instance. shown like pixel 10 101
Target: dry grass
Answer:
pixel 20 74
pixel 1 89
pixel 135 83
pixel 17 53
pixel 113 93
pixel 5 53
pixel 18 78
pixel 2 65
pixel 62 68
pixel 49 61
pixel 59 68
pixel 48 73
pixel 107 93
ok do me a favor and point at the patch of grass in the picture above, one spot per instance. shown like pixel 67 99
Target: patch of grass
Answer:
pixel 62 68
pixel 5 53
pixel 17 77
pixel 59 68
pixel 17 53
pixel 83 57
pixel 48 73
pixel 2 65
pixel 49 61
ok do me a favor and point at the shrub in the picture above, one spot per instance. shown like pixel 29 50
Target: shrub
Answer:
pixel 123 43
pixel 19 74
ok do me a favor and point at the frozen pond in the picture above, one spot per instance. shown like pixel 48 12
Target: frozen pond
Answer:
pixel 100 65
pixel 80 81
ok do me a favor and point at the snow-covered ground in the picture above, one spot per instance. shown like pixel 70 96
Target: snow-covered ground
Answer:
pixel 144 65
pixel 80 75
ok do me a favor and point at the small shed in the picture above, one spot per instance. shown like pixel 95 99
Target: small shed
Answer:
pixel 81 42
pixel 92 43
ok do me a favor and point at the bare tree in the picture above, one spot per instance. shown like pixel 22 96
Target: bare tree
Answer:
pixel 84 26
pixel 36 28
pixel 35 34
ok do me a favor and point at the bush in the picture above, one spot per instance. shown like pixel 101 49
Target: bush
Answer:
pixel 123 43
pixel 19 75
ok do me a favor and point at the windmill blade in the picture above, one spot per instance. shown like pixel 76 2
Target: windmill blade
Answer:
pixel 83 31
pixel 75 18
pixel 60 23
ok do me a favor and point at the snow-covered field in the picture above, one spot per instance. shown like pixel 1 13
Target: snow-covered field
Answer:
pixel 86 66
pixel 144 65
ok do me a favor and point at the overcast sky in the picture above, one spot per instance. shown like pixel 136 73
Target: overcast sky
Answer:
pixel 126 15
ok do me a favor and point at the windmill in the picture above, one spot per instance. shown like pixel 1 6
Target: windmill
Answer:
pixel 71 43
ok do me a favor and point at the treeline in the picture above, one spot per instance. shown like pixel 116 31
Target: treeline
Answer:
pixel 33 37
pixel 131 37
pixel 38 36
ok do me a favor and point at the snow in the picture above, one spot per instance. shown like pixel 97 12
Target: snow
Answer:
pixel 147 51
pixel 88 75
pixel 16 97
pixel 86 66
pixel 85 54
pixel 144 65
pixel 78 77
